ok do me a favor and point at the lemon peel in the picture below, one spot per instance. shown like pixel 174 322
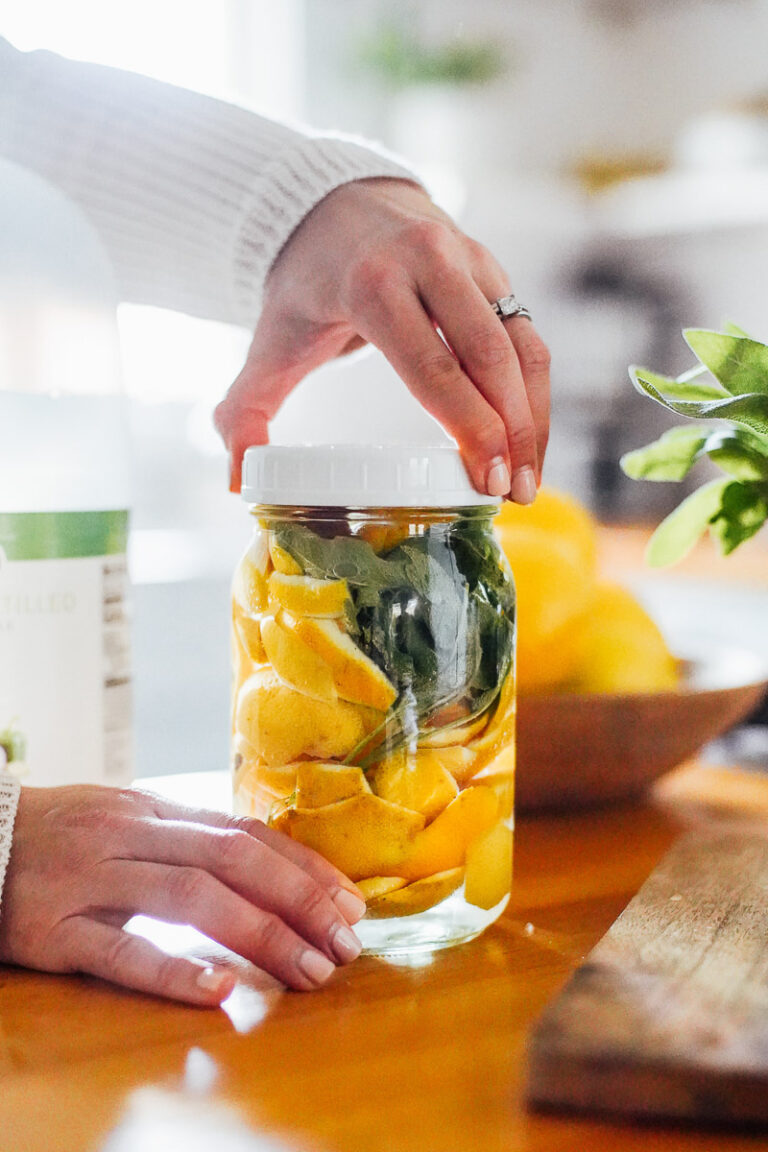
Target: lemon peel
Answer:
pixel 296 664
pixel 355 676
pixel 306 596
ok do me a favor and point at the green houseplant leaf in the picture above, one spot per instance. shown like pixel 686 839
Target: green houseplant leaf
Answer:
pixel 689 386
pixel 734 330
pixel 743 512
pixel 750 409
pixel 675 536
pixel 737 452
pixel 671 457
pixel 740 364
pixel 736 397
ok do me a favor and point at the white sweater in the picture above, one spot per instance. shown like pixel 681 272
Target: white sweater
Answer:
pixel 193 198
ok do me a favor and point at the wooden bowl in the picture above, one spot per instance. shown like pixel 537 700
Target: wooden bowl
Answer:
pixel 578 750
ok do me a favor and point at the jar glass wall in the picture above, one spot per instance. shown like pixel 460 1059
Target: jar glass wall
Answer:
pixel 373 708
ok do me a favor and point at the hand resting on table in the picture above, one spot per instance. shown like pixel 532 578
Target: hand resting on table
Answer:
pixel 86 859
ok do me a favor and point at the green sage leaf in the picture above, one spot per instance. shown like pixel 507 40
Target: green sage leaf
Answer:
pixel 750 410
pixel 685 387
pixel 739 453
pixel 671 457
pixel 739 363
pixel 734 330
pixel 743 512
pixel 676 536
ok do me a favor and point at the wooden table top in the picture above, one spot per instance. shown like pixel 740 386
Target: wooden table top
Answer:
pixel 428 1055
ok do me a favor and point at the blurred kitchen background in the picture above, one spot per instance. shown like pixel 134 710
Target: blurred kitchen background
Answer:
pixel 613 154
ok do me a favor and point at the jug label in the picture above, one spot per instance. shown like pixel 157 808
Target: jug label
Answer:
pixel 65 687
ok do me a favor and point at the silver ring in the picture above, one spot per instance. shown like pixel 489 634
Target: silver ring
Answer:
pixel 507 306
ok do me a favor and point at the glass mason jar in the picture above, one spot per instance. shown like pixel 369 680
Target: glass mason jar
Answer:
pixel 373 640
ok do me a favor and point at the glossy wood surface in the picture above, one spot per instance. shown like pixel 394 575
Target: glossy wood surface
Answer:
pixel 427 1055
pixel 667 1016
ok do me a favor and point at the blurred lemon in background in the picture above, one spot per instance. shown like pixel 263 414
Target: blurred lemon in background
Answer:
pixel 624 651
pixel 560 517
pixel 575 633
pixel 554 594
pixel 551 546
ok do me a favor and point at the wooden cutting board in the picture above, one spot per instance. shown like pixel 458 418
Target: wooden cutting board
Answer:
pixel 668 1015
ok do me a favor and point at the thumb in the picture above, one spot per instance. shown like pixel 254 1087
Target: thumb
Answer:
pixel 283 351
pixel 239 427
pixel 270 372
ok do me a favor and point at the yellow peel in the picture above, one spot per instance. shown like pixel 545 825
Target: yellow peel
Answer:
pixel 443 843
pixel 282 725
pixel 249 634
pixel 460 734
pixel 362 836
pixel 418 781
pixel 416 897
pixel 318 784
pixel 379 886
pixel 282 561
pixel 295 663
pixel 501 728
pixel 355 676
pixel 304 596
pixel 249 584
pixel 489 867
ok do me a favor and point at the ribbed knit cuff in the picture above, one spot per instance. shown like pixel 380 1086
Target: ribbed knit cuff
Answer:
pixel 10 789
pixel 290 187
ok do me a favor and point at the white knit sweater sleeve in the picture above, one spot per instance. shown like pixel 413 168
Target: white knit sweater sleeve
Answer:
pixel 9 802
pixel 193 197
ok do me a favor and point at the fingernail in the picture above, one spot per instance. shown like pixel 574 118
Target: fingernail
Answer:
pixel 316 967
pixel 213 980
pixel 523 489
pixel 497 481
pixel 345 944
pixel 351 907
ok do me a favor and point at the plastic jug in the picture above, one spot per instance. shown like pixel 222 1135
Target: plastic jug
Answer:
pixel 65 683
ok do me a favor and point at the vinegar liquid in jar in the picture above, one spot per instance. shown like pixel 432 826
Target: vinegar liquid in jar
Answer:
pixel 373 643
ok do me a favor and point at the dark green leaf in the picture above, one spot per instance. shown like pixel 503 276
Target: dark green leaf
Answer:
pixel 743 512
pixel 739 363
pixel 675 536
pixel 341 557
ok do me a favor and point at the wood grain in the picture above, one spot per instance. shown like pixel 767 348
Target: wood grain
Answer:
pixel 668 1017
pixel 426 1056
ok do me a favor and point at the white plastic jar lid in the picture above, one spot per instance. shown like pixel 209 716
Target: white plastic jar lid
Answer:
pixel 359 476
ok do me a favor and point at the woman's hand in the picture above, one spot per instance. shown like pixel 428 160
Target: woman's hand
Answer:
pixel 377 261
pixel 85 859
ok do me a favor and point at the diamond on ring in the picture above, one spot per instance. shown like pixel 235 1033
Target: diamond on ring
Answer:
pixel 507 306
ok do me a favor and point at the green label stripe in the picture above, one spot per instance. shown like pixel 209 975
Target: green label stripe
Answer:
pixel 62 535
